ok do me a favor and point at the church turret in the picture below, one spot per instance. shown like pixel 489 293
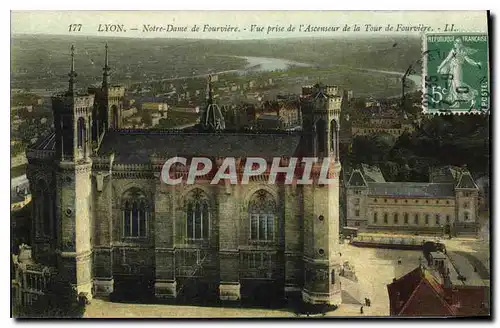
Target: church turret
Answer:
pixel 321 106
pixel 72 120
pixel 108 105
pixel 73 216
pixel 212 118
pixel 320 112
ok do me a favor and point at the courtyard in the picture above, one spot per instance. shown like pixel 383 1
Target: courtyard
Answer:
pixel 375 268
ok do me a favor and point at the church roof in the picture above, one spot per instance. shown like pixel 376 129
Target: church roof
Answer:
pixel 136 147
pixel 412 189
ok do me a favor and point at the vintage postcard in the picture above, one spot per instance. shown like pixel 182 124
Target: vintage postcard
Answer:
pixel 250 164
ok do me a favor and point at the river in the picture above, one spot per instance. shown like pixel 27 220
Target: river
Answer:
pixel 266 64
pixel 273 64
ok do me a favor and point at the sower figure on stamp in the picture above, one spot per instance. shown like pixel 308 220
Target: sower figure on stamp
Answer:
pixel 458 90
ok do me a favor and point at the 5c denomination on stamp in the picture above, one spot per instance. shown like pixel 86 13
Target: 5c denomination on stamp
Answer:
pixel 456 79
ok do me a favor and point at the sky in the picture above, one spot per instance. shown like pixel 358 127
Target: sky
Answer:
pixel 93 23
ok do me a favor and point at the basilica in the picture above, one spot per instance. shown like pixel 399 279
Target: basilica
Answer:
pixel 105 220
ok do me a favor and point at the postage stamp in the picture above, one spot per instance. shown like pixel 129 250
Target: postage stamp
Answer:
pixel 455 74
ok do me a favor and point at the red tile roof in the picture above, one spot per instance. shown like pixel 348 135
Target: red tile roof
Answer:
pixel 420 293
pixel 471 300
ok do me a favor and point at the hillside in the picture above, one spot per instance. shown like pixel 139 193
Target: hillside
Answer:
pixel 43 61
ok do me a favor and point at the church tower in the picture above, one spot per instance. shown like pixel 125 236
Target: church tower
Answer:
pixel 72 121
pixel 321 107
pixel 108 105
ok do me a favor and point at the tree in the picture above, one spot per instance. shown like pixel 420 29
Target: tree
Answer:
pixel 146 117
pixel 390 170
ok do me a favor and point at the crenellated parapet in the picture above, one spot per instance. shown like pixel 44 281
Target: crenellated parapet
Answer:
pixel 116 91
pixel 67 102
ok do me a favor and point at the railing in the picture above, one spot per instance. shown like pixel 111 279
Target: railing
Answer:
pixel 31 283
pixel 259 273
pixel 257 265
pixel 194 271
pixel 190 263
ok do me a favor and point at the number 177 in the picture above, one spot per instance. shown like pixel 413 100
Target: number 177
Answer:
pixel 75 27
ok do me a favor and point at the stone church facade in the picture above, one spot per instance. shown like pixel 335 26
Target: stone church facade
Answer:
pixel 105 220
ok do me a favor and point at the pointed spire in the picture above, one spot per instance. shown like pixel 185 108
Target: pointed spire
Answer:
pixel 209 90
pixel 72 74
pixel 106 55
pixel 105 69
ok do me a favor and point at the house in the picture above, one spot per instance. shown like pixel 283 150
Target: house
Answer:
pixel 438 289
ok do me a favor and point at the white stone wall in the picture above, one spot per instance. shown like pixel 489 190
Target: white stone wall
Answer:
pixel 444 207
pixel 369 205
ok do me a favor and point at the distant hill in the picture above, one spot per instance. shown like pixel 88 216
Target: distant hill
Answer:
pixel 43 60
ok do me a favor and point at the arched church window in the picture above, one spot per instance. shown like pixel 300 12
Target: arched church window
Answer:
pixel 135 214
pixel 333 135
pixel 81 132
pixel 43 209
pixel 262 213
pixel 321 133
pixel 197 215
pixel 114 110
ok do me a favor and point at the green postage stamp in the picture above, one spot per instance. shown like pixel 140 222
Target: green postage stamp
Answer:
pixel 455 74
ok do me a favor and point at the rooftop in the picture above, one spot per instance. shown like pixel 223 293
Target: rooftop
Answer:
pixel 411 189
pixel 136 147
pixel 437 255
pixel 407 293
